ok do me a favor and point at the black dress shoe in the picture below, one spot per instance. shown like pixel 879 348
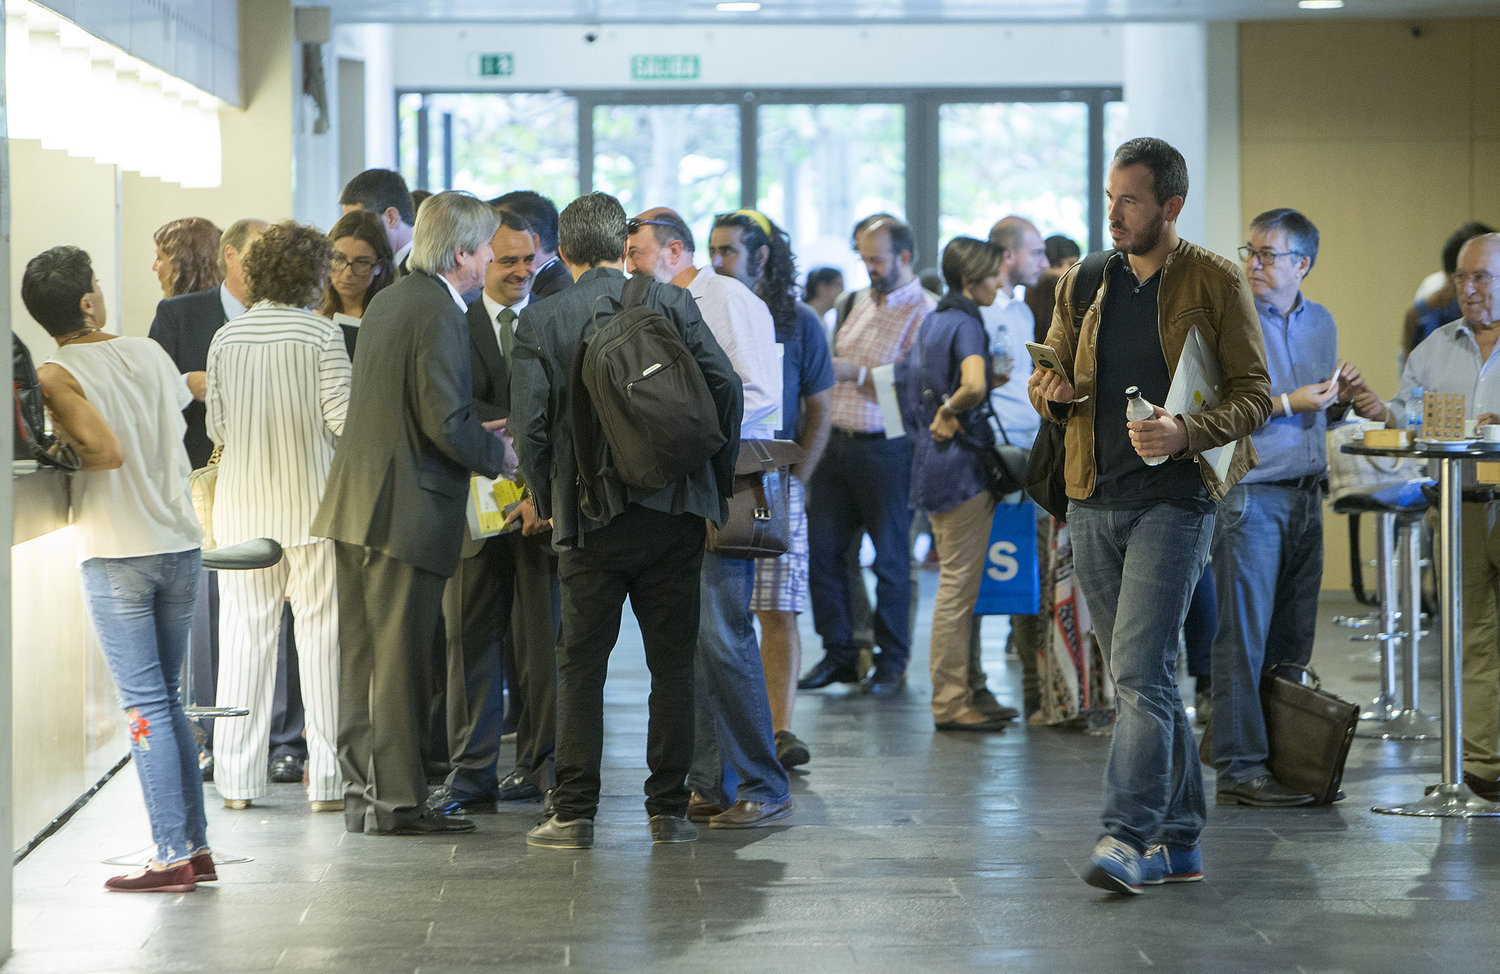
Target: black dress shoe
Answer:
pixel 554 833
pixel 514 788
pixel 984 701
pixel 286 769
pixel 828 671
pixel 445 801
pixel 672 828
pixel 1484 788
pixel 431 823
pixel 987 726
pixel 1262 792
pixel 885 684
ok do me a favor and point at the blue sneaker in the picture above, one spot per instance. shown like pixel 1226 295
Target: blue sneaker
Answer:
pixel 1114 866
pixel 1164 864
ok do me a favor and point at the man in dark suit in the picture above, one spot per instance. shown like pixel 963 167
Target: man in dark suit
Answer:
pixel 384 193
pixel 505 592
pixel 552 275
pixel 395 506
pixel 644 544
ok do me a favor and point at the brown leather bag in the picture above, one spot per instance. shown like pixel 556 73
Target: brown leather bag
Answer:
pixel 759 524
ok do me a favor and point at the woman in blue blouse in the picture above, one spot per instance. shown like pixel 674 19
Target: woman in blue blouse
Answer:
pixel 947 379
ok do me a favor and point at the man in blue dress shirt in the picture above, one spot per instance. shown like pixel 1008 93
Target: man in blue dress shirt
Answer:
pixel 1268 537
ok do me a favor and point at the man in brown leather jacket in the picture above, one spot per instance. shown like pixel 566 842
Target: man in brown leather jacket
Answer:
pixel 1142 497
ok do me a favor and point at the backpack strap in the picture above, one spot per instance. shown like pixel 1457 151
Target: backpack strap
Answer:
pixel 1086 284
pixel 634 294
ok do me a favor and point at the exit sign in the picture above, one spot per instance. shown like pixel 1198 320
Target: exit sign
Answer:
pixel 497 65
pixel 664 67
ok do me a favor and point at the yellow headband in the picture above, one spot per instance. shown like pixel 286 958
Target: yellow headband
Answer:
pixel 759 218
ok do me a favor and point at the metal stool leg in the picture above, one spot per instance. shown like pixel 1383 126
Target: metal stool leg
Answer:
pixel 1411 724
pixel 1385 706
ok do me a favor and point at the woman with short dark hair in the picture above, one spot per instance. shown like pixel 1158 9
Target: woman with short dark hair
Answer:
pixel 278 390
pixel 948 377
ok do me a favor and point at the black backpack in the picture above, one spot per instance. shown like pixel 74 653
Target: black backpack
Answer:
pixel 636 382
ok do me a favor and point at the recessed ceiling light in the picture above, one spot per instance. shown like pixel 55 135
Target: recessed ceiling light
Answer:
pixel 737 7
pixel 1320 4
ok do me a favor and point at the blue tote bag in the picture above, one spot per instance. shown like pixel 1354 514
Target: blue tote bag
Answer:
pixel 1011 584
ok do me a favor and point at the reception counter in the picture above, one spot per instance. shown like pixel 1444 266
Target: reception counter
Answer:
pixel 67 730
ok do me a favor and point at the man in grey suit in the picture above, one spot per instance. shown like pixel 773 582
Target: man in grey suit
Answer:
pixel 644 544
pixel 395 507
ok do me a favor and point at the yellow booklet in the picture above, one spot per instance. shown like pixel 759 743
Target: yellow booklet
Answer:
pixel 489 502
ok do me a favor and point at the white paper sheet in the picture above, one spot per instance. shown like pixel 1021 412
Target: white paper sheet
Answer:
pixel 1198 384
pixel 883 377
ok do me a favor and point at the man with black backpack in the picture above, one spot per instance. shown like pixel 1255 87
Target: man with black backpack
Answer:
pixel 627 498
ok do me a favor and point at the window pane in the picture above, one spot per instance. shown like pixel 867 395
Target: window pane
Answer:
pixel 821 168
pixel 686 157
pixel 501 142
pixel 1014 157
pixel 1116 118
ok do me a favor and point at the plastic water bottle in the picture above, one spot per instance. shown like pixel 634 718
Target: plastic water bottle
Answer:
pixel 1000 358
pixel 1414 408
pixel 1137 409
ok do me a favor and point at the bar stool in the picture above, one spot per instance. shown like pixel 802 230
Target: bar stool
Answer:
pixel 247 555
pixel 1400 511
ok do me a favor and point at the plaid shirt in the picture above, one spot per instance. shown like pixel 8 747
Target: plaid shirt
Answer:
pixel 876 333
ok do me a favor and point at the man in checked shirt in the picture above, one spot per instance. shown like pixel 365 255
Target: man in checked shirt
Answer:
pixel 863 482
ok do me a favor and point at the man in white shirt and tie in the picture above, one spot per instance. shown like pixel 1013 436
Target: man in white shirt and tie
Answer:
pixel 491 649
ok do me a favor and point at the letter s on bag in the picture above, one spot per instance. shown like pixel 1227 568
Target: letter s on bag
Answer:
pixel 1003 566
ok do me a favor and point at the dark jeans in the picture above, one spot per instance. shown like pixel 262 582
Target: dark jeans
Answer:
pixel 862 485
pixel 654 559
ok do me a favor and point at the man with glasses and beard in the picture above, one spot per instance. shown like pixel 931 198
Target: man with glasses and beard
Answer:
pixel 1141 529
pixel 864 481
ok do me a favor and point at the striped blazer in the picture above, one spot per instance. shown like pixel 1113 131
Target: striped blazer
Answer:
pixel 278 391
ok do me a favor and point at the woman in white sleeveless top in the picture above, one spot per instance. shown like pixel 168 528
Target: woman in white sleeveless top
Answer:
pixel 119 401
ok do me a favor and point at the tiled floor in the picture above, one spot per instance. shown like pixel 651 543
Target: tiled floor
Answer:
pixel 908 851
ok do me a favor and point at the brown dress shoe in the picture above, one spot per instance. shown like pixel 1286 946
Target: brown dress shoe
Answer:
pixel 701 809
pixel 178 879
pixel 204 870
pixel 750 815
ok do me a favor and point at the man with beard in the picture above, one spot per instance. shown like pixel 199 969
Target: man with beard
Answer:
pixel 863 483
pixel 1140 529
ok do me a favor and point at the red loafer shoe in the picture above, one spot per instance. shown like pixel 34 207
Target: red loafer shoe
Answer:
pixel 178 879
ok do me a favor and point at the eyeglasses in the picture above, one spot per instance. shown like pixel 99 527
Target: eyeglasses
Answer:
pixel 633 225
pixel 1482 279
pixel 1265 256
pixel 361 266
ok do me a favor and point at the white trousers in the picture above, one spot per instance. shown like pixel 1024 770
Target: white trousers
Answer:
pixel 249 621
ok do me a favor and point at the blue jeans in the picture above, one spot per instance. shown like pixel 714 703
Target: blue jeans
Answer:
pixel 142 609
pixel 1268 564
pixel 862 485
pixel 734 750
pixel 1138 568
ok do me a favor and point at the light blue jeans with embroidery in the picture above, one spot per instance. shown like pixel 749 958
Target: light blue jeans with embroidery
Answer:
pixel 142 609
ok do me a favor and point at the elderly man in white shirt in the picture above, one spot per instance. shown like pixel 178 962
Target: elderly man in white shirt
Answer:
pixel 736 780
pixel 1461 357
pixel 278 392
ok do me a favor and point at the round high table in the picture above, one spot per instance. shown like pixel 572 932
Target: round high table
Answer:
pixel 1451 798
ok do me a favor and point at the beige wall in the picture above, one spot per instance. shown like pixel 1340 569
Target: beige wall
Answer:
pixel 1387 142
pixel 67 728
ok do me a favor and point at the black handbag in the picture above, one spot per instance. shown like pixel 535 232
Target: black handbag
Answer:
pixel 1308 731
pixel 32 441
pixel 759 524
pixel 1045 478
